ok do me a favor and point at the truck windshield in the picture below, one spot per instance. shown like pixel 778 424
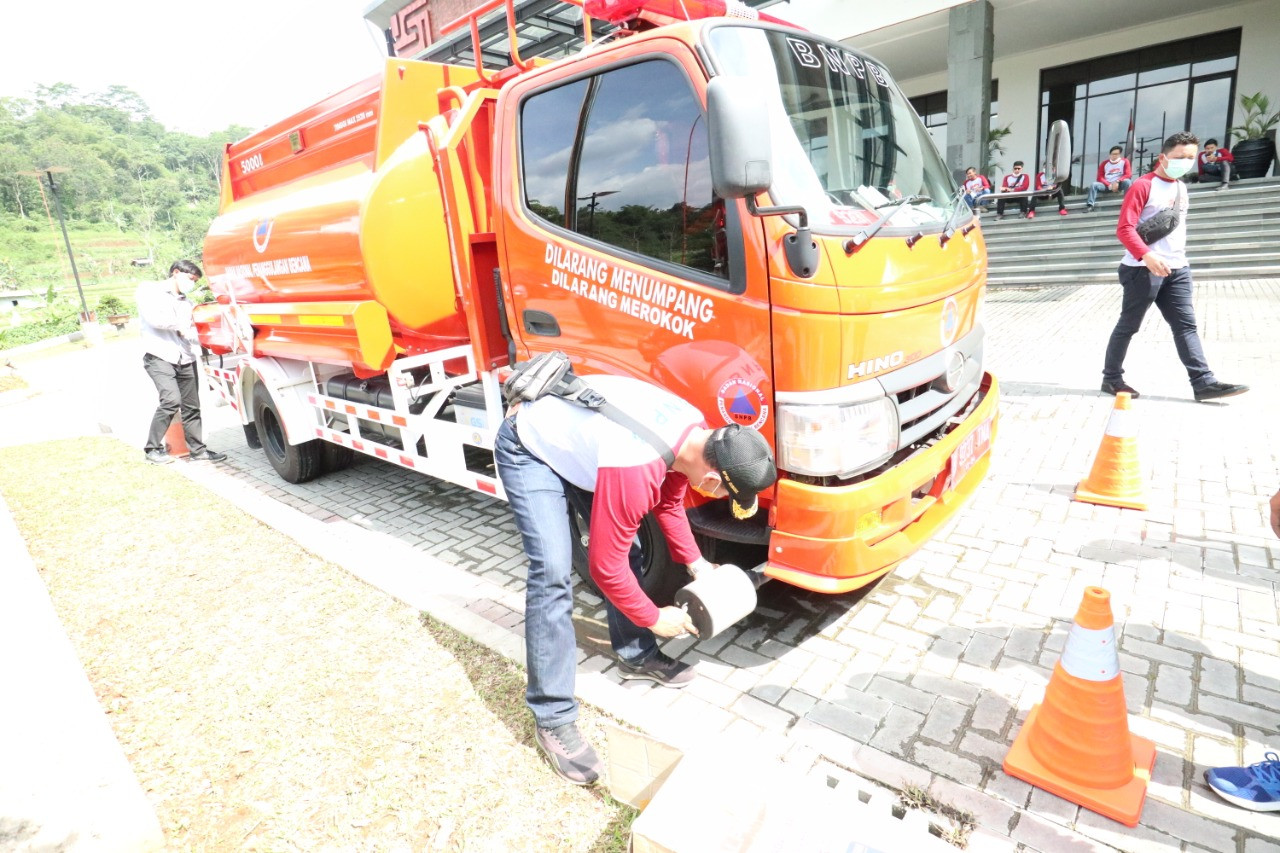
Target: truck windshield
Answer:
pixel 845 141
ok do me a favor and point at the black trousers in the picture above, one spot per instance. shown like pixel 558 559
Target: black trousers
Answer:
pixel 1172 295
pixel 1020 202
pixel 179 389
pixel 1062 201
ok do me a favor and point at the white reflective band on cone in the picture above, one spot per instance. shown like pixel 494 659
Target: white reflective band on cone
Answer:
pixel 1091 654
pixel 1123 424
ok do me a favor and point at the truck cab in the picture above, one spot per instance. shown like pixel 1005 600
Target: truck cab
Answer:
pixel 858 354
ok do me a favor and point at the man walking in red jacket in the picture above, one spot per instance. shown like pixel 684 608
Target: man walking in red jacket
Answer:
pixel 1155 270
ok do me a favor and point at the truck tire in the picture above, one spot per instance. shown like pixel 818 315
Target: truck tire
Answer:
pixel 660 576
pixel 295 463
pixel 335 457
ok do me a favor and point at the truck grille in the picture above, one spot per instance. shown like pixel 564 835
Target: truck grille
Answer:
pixel 927 396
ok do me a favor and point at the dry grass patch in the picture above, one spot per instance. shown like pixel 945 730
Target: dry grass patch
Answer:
pixel 266 699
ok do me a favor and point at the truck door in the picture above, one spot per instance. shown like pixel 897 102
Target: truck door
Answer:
pixel 617 251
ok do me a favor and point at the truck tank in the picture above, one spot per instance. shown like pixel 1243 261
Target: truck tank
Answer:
pixel 337 207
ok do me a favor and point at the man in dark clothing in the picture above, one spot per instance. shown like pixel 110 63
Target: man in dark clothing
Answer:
pixel 1159 273
pixel 170 348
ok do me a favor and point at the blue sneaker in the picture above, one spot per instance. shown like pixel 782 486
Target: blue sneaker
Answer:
pixel 1256 787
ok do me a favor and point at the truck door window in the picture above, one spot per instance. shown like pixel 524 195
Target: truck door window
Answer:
pixel 643 174
pixel 549 123
pixel 634 173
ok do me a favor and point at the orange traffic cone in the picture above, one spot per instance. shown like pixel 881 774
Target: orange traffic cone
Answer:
pixel 175 439
pixel 1115 479
pixel 1076 744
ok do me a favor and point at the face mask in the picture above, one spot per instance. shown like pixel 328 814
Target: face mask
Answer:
pixel 1177 168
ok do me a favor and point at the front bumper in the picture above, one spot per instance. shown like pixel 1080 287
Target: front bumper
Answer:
pixel 836 539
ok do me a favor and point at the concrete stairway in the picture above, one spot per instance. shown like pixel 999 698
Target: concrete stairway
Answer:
pixel 1231 234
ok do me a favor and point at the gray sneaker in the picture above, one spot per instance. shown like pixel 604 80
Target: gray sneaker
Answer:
pixel 208 455
pixel 158 457
pixel 571 757
pixel 659 668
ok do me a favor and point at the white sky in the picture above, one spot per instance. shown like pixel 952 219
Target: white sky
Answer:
pixel 199 66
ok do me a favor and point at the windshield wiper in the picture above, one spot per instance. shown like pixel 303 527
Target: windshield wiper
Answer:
pixel 857 241
pixel 949 230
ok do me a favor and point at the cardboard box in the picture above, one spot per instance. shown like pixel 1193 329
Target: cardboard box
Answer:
pixel 638 765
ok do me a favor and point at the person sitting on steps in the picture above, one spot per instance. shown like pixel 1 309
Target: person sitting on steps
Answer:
pixel 1114 176
pixel 1051 191
pixel 975 187
pixel 1016 182
pixel 1214 164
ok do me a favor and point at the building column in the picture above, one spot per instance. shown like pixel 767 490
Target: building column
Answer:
pixel 970 44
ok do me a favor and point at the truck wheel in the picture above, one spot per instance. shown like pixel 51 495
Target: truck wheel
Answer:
pixel 660 576
pixel 295 463
pixel 335 457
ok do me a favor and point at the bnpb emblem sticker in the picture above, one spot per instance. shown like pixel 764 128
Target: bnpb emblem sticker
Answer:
pixel 262 234
pixel 950 324
pixel 742 402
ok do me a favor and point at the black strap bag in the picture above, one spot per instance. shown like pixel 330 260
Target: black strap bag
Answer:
pixel 1164 222
pixel 552 373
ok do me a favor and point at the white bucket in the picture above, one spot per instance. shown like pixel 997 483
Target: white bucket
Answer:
pixel 717 599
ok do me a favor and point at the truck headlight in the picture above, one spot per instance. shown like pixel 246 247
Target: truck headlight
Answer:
pixel 830 440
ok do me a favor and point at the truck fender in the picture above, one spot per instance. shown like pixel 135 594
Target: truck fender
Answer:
pixel 288 382
pixel 721 379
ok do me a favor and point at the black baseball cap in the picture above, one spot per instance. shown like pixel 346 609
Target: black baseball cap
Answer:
pixel 745 465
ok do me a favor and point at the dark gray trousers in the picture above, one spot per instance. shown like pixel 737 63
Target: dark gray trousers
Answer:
pixel 179 390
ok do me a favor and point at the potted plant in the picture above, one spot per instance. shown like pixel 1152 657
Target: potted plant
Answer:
pixel 1255 149
pixel 114 309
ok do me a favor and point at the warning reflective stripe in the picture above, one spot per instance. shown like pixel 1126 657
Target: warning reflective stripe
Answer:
pixel 1091 653
pixel 1123 424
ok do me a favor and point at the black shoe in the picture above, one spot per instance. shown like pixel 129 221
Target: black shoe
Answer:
pixel 571 757
pixel 1114 388
pixel 158 457
pixel 208 455
pixel 1218 390
pixel 659 668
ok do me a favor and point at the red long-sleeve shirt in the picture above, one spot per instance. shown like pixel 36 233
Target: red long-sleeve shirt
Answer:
pixel 1146 197
pixel 624 471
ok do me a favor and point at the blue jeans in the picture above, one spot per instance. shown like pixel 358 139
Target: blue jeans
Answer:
pixel 975 199
pixel 1172 295
pixel 1097 187
pixel 541 500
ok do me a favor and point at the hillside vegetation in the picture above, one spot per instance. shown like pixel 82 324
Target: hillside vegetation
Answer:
pixel 132 192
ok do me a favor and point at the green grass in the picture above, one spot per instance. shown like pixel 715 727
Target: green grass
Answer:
pixel 267 699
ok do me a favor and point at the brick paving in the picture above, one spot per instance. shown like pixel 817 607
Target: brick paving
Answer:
pixel 927 677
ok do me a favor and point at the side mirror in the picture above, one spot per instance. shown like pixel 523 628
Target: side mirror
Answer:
pixel 738 136
pixel 1057 161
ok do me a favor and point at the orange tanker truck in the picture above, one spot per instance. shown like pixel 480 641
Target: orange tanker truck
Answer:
pixel 711 200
